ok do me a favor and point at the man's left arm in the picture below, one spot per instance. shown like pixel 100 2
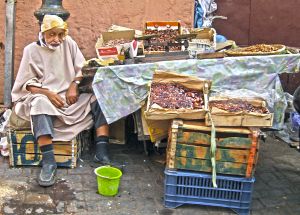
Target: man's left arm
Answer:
pixel 73 93
pixel 78 59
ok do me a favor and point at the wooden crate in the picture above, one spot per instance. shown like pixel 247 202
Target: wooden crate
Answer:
pixel 189 148
pixel 24 150
pixel 162 25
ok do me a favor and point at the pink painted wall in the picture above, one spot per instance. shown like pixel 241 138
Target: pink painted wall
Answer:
pixel 89 18
pixel 249 22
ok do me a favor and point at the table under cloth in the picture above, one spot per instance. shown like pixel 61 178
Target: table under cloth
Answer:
pixel 120 90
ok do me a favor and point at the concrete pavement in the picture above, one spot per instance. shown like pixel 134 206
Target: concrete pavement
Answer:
pixel 276 190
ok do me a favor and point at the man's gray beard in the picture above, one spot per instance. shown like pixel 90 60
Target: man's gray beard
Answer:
pixel 53 47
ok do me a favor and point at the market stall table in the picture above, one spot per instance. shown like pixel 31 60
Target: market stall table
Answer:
pixel 120 90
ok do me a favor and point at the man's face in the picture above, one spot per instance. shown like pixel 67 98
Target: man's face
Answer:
pixel 54 37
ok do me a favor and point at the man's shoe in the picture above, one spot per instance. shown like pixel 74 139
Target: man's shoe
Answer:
pixel 102 160
pixel 47 175
pixel 101 155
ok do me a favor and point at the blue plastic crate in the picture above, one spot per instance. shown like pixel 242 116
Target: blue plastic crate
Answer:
pixel 183 187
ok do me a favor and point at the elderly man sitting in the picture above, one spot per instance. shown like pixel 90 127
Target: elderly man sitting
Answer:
pixel 45 92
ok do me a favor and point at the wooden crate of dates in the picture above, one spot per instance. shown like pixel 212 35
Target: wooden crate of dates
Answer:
pixel 174 95
pixel 189 148
pixel 162 37
pixel 239 112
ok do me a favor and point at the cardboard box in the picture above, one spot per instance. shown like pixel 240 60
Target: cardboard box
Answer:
pixel 204 42
pixel 204 33
pixel 113 52
pixel 117 132
pixel 190 82
pixel 157 130
pixel 241 119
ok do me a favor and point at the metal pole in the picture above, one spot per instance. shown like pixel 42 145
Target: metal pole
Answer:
pixel 53 7
pixel 9 50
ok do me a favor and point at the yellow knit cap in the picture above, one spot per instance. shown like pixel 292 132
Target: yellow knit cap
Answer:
pixel 53 21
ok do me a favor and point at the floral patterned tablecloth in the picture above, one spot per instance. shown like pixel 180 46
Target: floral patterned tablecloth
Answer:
pixel 120 90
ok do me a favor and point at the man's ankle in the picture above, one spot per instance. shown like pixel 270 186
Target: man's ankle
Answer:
pixel 48 154
pixel 101 154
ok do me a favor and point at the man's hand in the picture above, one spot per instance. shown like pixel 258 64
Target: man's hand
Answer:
pixel 72 94
pixel 55 99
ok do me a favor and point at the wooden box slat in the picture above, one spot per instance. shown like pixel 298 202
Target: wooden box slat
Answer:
pixel 20 159
pixel 59 149
pixel 204 139
pixel 203 152
pixel 189 148
pixel 20 136
pixel 205 166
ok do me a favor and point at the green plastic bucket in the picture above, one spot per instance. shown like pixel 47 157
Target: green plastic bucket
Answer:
pixel 108 179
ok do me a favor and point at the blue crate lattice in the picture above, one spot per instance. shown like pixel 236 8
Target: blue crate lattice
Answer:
pixel 183 187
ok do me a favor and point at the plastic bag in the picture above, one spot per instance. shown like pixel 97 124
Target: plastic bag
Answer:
pixel 4 120
pixel 4 147
pixel 204 13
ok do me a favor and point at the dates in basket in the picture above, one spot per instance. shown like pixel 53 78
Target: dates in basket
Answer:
pixel 175 96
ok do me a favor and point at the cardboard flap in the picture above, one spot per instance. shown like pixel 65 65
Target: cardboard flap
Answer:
pixel 257 102
pixel 204 33
pixel 127 35
pixel 188 81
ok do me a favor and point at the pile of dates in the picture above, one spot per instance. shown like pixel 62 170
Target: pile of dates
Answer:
pixel 175 96
pixel 162 48
pixel 262 48
pixel 164 37
pixel 237 105
pixel 112 43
